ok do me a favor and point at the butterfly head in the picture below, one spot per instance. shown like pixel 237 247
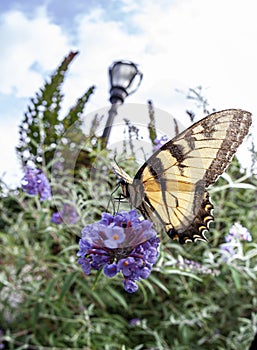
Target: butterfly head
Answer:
pixel 124 179
pixel 125 188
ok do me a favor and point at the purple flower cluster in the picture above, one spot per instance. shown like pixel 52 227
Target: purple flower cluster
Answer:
pixel 35 182
pixel 236 234
pixel 194 266
pixel 227 250
pixel 119 243
pixel 158 142
pixel 66 214
pixel 237 231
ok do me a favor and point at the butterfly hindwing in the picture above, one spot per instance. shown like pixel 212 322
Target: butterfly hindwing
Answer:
pixel 198 226
pixel 171 185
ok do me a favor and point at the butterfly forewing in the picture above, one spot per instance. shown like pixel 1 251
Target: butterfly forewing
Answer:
pixel 215 139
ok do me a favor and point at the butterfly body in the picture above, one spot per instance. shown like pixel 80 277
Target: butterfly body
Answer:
pixel 171 186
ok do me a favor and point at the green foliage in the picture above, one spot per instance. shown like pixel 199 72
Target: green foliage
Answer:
pixel 42 127
pixel 47 302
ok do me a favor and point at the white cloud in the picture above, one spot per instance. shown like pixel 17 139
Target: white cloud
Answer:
pixel 25 42
pixel 178 45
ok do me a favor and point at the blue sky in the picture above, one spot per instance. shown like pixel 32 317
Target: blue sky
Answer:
pixel 178 44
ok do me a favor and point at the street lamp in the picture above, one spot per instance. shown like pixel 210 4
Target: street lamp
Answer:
pixel 125 78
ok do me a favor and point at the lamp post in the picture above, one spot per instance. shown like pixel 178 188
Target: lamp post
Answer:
pixel 125 78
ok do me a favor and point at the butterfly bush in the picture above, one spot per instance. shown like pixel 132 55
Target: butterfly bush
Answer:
pixel 134 321
pixel 196 267
pixel 237 231
pixel 236 234
pixel 35 182
pixel 158 142
pixel 119 243
pixel 66 214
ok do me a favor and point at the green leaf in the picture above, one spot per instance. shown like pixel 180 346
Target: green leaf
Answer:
pixel 159 284
pixel 67 284
pixel 35 314
pixel 236 278
pixel 118 297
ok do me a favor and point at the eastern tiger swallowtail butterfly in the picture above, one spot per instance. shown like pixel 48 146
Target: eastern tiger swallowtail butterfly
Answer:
pixel 171 186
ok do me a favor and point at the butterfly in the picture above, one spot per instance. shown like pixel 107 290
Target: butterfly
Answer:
pixel 170 188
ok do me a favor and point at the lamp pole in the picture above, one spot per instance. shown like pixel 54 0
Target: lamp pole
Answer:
pixel 125 79
pixel 113 111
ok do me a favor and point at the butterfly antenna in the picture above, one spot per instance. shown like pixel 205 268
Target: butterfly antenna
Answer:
pixel 116 163
pixel 119 200
pixel 112 199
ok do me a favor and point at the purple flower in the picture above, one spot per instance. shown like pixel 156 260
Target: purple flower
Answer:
pixel 86 266
pixel 233 246
pixel 121 219
pixel 237 231
pixel 110 270
pixel 196 267
pixel 67 214
pixel 134 321
pixel 35 182
pixel 130 286
pixel 227 250
pixel 115 236
pixel 119 243
pixel 57 218
pixel 158 142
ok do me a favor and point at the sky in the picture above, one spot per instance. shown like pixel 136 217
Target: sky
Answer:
pixel 178 44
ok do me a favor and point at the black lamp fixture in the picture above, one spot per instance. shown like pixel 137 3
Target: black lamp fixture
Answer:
pixel 125 79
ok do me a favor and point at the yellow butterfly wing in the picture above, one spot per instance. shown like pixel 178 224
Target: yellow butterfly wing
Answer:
pixel 171 185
